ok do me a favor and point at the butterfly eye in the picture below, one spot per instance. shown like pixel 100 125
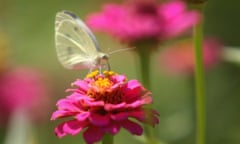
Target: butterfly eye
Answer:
pixel 105 57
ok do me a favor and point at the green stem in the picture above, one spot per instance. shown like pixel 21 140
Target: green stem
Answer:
pixel 144 59
pixel 199 82
pixel 144 54
pixel 107 139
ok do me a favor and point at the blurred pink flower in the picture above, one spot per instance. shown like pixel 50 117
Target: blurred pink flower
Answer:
pixel 103 103
pixel 143 20
pixel 24 88
pixel 179 58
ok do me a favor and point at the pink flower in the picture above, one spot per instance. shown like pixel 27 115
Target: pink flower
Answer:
pixel 144 20
pixel 23 88
pixel 103 103
pixel 179 58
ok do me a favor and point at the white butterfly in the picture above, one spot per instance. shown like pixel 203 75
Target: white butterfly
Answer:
pixel 77 47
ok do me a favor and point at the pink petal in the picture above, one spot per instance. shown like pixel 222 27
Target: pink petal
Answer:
pixel 59 131
pixel 78 96
pixel 120 116
pixel 138 114
pixel 72 127
pixel 132 84
pixel 172 9
pixel 147 98
pixel 94 103
pixel 82 116
pixel 135 104
pixel 92 135
pixel 119 78
pixel 181 23
pixel 141 116
pixel 82 85
pixel 61 114
pixel 178 18
pixel 99 120
pixel 132 127
pixel 66 104
pixel 111 107
pixel 113 128
pixel 132 91
pixel 106 21
pixel 138 103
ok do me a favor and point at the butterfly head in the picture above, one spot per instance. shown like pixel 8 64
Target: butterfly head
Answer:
pixel 102 61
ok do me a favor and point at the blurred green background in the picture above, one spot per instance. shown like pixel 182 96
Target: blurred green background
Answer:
pixel 29 26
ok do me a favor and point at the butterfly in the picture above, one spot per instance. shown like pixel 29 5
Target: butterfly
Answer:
pixel 76 46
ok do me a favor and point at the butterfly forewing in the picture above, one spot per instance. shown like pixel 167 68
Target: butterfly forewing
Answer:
pixel 75 44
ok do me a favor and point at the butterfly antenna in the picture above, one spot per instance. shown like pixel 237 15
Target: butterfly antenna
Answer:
pixel 120 50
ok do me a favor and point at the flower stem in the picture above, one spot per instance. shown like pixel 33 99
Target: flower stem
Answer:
pixel 144 54
pixel 144 59
pixel 107 139
pixel 199 81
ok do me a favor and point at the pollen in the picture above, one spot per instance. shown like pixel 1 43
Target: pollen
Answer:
pixel 109 73
pixel 92 74
pixel 103 82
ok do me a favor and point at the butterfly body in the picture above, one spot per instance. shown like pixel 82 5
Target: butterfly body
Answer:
pixel 76 46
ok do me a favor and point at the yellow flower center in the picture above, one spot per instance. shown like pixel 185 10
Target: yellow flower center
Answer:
pixel 101 89
pixel 103 83
pixel 109 73
pixel 92 74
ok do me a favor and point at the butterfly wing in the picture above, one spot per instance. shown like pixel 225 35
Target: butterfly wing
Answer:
pixel 75 44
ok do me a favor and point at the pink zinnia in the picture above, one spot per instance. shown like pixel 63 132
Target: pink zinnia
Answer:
pixel 144 20
pixel 102 104
pixel 179 58
pixel 25 89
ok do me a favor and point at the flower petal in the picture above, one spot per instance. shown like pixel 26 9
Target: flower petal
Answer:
pixel 99 120
pixel 61 114
pixel 67 104
pixel 120 116
pixel 82 85
pixel 138 114
pixel 111 107
pixel 93 134
pixel 94 103
pixel 59 131
pixel 82 116
pixel 132 127
pixel 113 128
pixel 76 96
pixel 72 127
pixel 178 19
pixel 132 91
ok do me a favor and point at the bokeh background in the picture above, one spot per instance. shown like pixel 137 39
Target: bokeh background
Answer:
pixel 28 27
